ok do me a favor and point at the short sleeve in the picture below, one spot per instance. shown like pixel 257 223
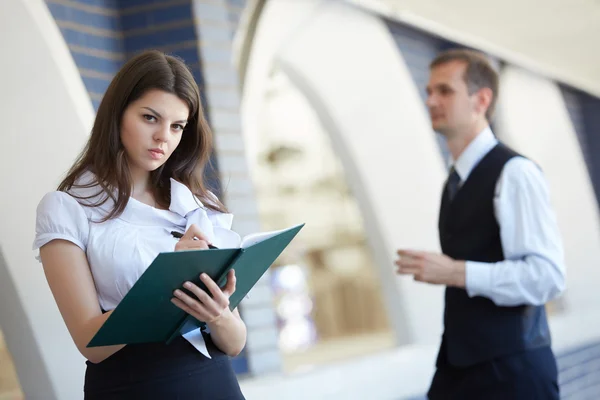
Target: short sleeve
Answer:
pixel 60 216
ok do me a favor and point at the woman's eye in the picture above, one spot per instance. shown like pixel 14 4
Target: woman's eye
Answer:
pixel 149 117
pixel 178 127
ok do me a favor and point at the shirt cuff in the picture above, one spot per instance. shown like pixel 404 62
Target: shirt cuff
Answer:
pixel 478 278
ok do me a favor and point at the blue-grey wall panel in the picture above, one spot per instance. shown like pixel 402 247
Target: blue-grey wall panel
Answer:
pixel 584 111
pixel 235 9
pixel 92 30
pixel 418 50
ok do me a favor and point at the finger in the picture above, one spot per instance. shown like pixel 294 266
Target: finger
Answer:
pixel 211 308
pixel 410 263
pixel 202 303
pixel 191 245
pixel 200 313
pixel 407 270
pixel 410 253
pixel 427 255
pixel 217 294
pixel 229 288
pixel 201 295
pixel 194 232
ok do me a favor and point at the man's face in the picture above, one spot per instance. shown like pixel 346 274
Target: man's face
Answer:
pixel 451 108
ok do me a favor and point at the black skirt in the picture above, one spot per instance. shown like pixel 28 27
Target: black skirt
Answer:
pixel 160 371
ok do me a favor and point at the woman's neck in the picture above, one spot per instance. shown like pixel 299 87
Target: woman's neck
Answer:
pixel 141 188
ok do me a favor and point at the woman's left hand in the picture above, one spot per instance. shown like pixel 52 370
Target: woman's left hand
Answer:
pixel 203 307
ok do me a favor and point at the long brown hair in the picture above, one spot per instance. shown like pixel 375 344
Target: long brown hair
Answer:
pixel 104 154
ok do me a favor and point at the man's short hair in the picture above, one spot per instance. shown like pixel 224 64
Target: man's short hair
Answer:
pixel 478 75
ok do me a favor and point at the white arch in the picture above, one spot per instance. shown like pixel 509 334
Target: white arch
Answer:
pixel 45 113
pixel 533 119
pixel 334 54
pixel 347 65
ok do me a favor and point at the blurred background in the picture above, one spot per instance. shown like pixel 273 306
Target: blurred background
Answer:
pixel 318 114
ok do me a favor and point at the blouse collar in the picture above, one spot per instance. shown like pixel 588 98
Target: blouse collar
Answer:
pixel 185 209
pixel 183 202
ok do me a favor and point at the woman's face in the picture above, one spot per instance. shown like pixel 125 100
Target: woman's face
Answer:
pixel 151 129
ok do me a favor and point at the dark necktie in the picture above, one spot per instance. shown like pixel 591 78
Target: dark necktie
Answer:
pixel 453 183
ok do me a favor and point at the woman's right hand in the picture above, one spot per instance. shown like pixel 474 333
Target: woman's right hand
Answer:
pixel 193 239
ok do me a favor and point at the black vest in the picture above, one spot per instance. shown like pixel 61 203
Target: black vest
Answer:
pixel 475 329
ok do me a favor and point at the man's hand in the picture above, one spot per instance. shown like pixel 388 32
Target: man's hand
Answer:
pixel 434 268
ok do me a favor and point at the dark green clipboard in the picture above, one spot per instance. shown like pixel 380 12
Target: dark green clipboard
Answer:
pixel 146 314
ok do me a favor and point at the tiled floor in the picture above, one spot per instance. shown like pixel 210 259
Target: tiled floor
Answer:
pixel 578 373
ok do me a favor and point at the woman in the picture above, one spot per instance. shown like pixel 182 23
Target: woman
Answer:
pixel 138 180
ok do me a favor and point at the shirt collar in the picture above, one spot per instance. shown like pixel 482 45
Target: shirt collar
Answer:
pixel 183 200
pixel 475 151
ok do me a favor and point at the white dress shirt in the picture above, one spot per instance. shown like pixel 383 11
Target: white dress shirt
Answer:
pixel 533 271
pixel 119 250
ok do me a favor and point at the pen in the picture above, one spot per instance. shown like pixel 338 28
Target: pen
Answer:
pixel 180 235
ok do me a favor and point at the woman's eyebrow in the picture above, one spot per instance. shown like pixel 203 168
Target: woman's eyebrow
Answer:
pixel 181 121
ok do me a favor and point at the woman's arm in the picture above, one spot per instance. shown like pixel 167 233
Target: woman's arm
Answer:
pixel 71 282
pixel 228 332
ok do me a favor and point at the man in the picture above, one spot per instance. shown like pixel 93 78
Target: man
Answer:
pixel 502 254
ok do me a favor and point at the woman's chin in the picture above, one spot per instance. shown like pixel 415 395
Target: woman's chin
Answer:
pixel 151 166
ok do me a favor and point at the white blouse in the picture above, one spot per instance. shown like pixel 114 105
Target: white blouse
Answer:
pixel 119 250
